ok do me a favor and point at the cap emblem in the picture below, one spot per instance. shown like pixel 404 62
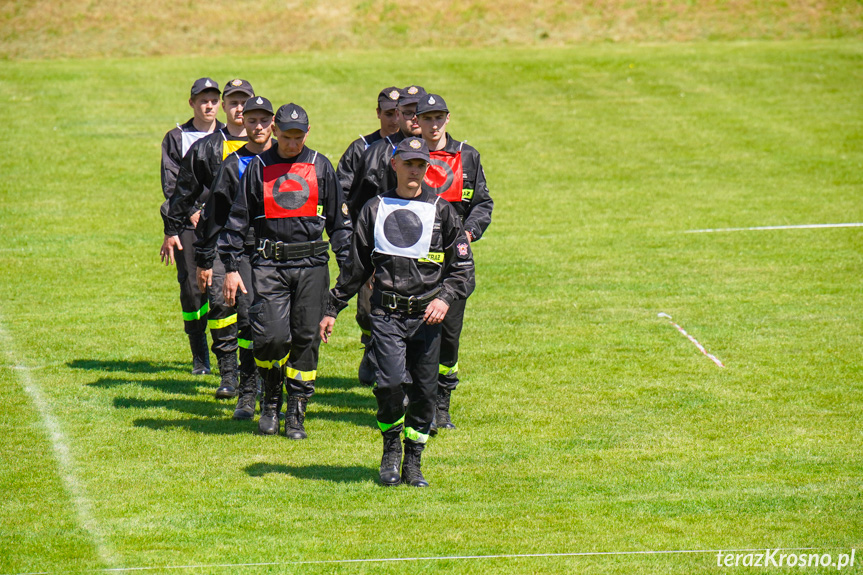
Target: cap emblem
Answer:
pixel 294 115
pixel 259 101
pixel 432 100
pixel 394 95
pixel 236 82
pixel 412 90
pixel 415 144
pixel 208 84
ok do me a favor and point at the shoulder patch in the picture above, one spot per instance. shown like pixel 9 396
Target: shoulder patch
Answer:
pixel 344 209
pixel 462 250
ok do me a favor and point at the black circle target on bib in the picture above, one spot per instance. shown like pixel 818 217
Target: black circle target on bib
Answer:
pixel 403 228
pixel 286 194
pixel 439 175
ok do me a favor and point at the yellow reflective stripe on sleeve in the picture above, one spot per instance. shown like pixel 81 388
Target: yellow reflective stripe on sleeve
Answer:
pixel 415 435
pixel 388 426
pixel 222 323
pixel 244 343
pixel 275 364
pixel 447 370
pixel 466 194
pixel 435 257
pixel 320 210
pixel 231 146
pixel 195 315
pixel 292 373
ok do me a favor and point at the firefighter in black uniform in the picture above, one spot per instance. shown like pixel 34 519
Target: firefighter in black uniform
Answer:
pixel 290 194
pixel 388 115
pixel 373 176
pixel 258 121
pixel 204 101
pixel 414 244
pixel 198 170
pixel 455 175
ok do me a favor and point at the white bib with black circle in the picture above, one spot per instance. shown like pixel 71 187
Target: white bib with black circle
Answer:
pixel 404 228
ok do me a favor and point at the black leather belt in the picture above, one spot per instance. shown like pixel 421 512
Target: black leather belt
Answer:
pixel 396 302
pixel 280 251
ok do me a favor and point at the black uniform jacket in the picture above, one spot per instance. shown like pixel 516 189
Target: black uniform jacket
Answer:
pixel 248 209
pixel 197 172
pixel 402 275
pixel 352 156
pixel 216 210
pixel 374 175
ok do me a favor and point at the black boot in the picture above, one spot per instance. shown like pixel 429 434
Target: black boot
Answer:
pixel 392 457
pixel 228 372
pixel 442 418
pixel 200 353
pixel 412 465
pixel 248 396
pixel 268 424
pixel 295 417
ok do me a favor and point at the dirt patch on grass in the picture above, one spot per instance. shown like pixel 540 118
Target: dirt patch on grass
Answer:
pixel 87 28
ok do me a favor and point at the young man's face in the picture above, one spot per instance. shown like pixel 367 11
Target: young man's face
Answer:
pixel 259 126
pixel 433 125
pixel 407 120
pixel 291 141
pixel 389 121
pixel 410 173
pixel 233 105
pixel 205 106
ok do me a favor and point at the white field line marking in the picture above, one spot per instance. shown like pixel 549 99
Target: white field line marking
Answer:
pixel 760 228
pixel 443 558
pixel 692 339
pixel 65 461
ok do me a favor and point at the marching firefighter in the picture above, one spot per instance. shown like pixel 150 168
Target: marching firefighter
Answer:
pixel 455 175
pixel 197 172
pixel 413 244
pixel 290 195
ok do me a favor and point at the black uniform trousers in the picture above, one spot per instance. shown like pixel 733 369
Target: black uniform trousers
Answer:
pixel 285 318
pixel 193 302
pixel 407 350
pixel 244 326
pixel 222 318
pixel 450 335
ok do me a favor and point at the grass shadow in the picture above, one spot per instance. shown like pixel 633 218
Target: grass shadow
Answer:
pixel 337 383
pixel 335 473
pixel 128 366
pixel 204 408
pixel 212 426
pixel 180 387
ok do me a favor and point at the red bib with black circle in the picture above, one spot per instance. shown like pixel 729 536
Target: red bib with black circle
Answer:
pixel 444 175
pixel 290 191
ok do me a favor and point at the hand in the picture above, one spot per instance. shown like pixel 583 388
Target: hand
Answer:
pixel 205 279
pixel 469 237
pixel 167 251
pixel 195 217
pixel 327 328
pixel 436 311
pixel 232 282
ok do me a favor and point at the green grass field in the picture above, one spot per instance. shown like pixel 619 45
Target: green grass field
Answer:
pixel 586 423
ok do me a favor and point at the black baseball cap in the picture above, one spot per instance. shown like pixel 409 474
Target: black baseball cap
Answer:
pixel 431 103
pixel 411 95
pixel 203 84
pixel 257 103
pixel 389 98
pixel 238 85
pixel 411 148
pixel 292 117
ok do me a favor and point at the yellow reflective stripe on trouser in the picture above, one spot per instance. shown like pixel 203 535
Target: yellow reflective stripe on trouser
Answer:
pixel 436 257
pixel 448 371
pixel 196 315
pixel 275 364
pixel 466 194
pixel 415 435
pixel 244 343
pixel 221 323
pixel 292 373
pixel 388 426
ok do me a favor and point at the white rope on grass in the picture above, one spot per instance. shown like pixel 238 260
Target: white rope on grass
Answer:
pixel 63 455
pixel 761 228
